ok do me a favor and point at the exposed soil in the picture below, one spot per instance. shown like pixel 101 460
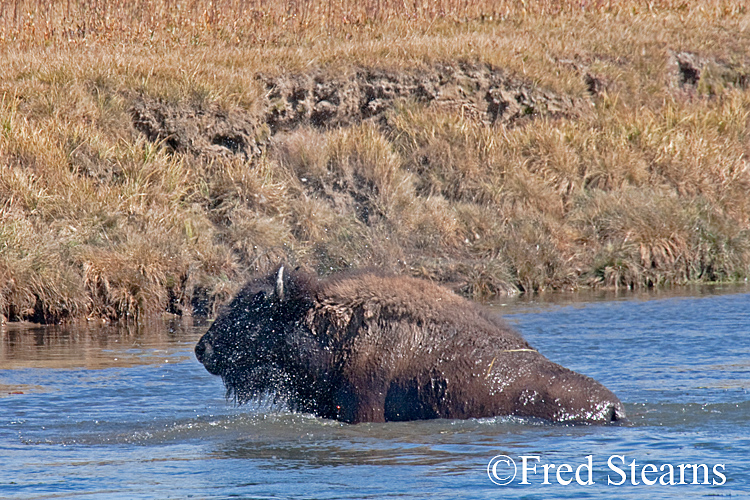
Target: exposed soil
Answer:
pixel 690 71
pixel 324 101
pixel 184 128
pixel 479 91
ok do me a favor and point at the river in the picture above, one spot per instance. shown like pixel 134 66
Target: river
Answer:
pixel 101 411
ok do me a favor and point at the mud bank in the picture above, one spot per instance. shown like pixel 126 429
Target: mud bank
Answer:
pixel 474 91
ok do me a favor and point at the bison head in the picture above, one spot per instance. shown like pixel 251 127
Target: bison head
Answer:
pixel 247 344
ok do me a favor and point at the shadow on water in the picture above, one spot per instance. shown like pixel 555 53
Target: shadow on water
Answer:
pixel 527 304
pixel 93 345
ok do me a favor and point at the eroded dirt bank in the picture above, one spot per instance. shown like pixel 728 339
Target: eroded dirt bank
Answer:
pixel 477 92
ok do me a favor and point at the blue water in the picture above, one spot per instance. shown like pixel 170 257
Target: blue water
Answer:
pixel 105 412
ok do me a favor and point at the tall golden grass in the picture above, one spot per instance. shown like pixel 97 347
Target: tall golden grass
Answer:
pixel 646 186
pixel 143 21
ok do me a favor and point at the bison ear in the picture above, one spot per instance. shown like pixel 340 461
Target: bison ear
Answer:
pixel 280 279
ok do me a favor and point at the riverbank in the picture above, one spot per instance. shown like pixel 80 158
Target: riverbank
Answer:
pixel 151 163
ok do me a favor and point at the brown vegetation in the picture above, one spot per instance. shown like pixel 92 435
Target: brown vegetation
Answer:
pixel 155 153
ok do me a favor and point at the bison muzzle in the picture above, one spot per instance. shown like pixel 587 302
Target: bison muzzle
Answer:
pixel 371 348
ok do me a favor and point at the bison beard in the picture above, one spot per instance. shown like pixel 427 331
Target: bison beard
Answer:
pixel 370 348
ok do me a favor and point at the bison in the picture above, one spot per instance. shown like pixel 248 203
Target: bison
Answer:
pixel 364 347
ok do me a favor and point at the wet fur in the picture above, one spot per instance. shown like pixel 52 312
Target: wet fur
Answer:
pixel 371 348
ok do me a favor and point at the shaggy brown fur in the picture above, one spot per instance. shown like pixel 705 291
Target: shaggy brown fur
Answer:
pixel 371 348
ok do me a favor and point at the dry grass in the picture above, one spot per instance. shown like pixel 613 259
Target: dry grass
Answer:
pixel 258 20
pixel 646 185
